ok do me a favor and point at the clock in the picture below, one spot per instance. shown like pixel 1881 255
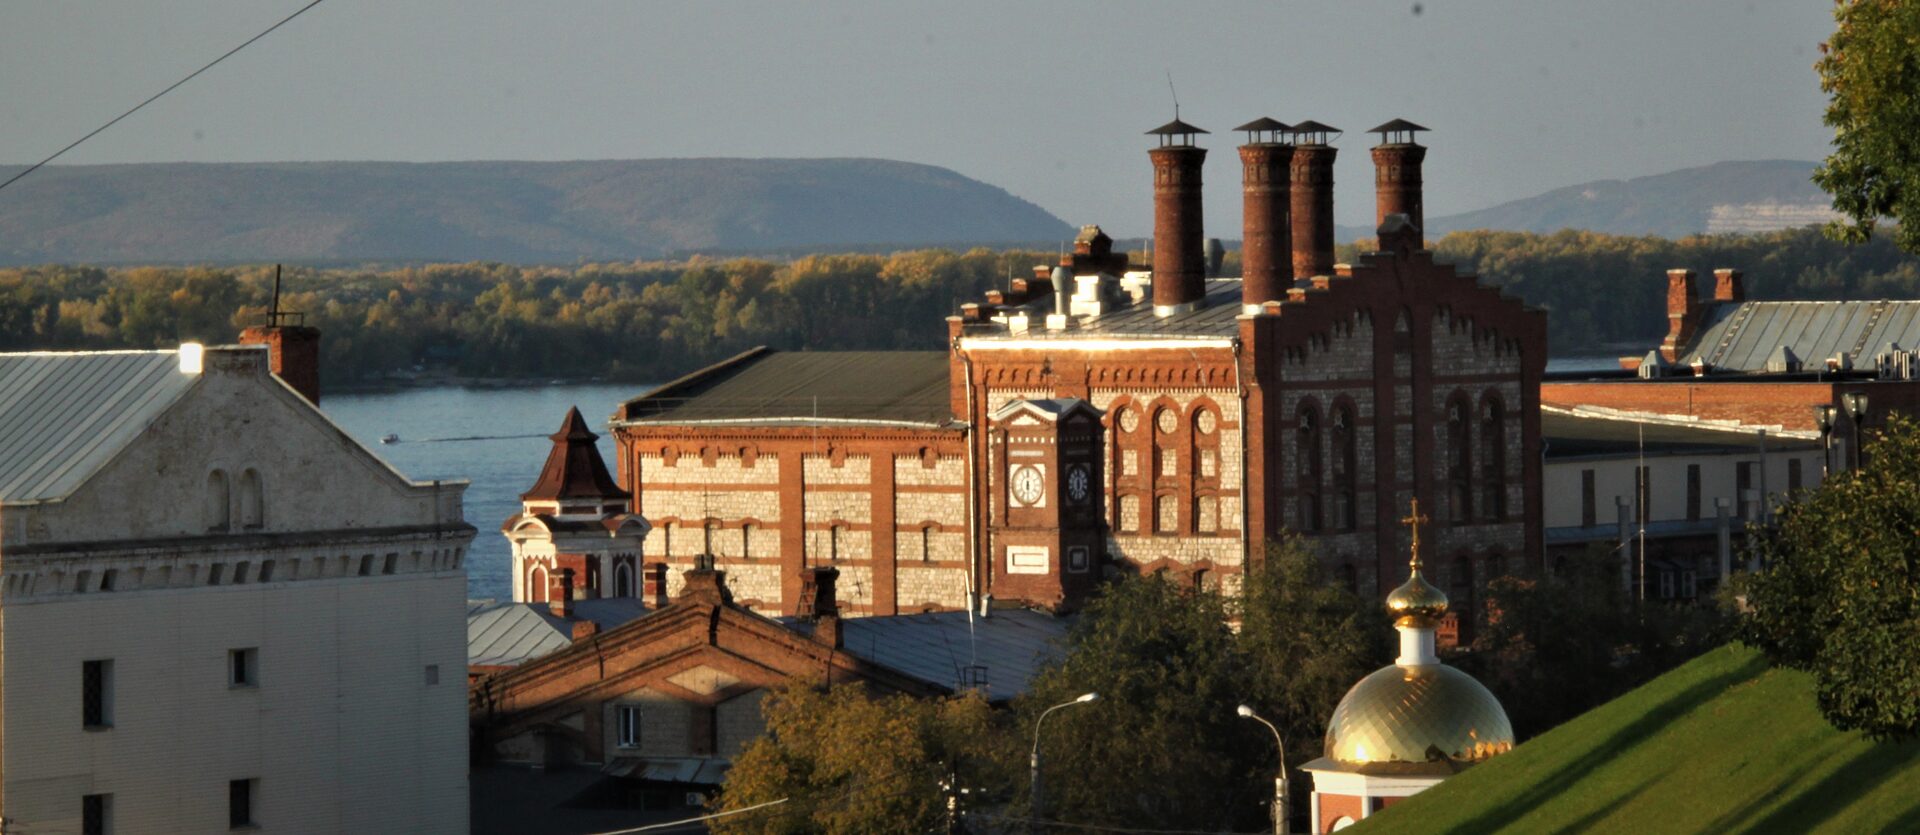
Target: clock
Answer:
pixel 1079 483
pixel 1028 485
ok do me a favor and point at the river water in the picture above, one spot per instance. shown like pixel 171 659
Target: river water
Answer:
pixel 497 439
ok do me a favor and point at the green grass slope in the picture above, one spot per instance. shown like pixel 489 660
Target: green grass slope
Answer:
pixel 1723 744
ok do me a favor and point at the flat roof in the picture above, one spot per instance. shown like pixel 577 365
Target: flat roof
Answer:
pixel 1574 435
pixel 765 386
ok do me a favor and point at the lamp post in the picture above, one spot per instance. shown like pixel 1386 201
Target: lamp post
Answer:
pixel 1279 782
pixel 1856 403
pixel 1033 761
pixel 1823 416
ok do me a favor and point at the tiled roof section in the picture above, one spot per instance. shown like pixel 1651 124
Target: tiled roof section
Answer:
pixel 65 415
pixel 509 634
pixel 937 647
pixel 764 386
pixel 1569 435
pixel 1740 337
pixel 574 469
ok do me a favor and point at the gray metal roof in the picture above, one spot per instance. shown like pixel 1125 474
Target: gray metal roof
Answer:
pixel 65 415
pixel 1012 644
pixel 1571 435
pixel 801 387
pixel 1217 319
pixel 508 634
pixel 1741 337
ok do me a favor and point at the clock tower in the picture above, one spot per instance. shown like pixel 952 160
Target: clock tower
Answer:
pixel 1047 509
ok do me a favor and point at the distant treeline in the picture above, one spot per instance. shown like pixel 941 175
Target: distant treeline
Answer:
pixel 653 320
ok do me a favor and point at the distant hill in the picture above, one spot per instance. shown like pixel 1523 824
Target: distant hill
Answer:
pixel 1722 744
pixel 1758 196
pixel 525 212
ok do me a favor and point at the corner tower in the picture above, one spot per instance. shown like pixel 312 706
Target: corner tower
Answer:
pixel 573 537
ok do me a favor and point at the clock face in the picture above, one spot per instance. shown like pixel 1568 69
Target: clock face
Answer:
pixel 1079 483
pixel 1028 485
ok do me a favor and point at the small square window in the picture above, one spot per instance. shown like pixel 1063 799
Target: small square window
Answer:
pixel 243 667
pixel 95 812
pixel 215 573
pixel 241 796
pixel 366 565
pixel 266 570
pixel 433 674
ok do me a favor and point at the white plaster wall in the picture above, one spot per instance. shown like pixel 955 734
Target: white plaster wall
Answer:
pixel 343 732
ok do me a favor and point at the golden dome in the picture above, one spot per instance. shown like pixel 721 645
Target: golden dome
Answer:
pixel 1417 602
pixel 1418 714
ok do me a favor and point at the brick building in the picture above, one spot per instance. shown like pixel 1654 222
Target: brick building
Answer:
pixel 1098 418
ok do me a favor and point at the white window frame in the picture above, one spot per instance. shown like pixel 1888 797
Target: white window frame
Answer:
pixel 626 726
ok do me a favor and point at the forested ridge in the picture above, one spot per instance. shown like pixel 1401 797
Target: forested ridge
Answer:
pixel 642 321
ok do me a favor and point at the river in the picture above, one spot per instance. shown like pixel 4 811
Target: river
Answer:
pixel 497 439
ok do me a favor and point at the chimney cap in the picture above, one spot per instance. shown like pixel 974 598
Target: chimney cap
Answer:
pixel 1175 132
pixel 1264 124
pixel 1397 126
pixel 1311 132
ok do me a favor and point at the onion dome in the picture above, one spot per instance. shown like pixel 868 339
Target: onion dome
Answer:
pixel 1417 602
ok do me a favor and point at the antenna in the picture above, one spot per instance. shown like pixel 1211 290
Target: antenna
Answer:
pixel 1174 93
pixel 273 313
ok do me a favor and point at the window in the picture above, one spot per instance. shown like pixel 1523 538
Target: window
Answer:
pixel 1667 585
pixel 94 812
pixel 1130 514
pixel 835 535
pixel 627 725
pixel 1742 482
pixel 746 541
pixel 1689 585
pixel 1493 460
pixel 96 694
pixel 1308 467
pixel 1166 514
pixel 1693 492
pixel 218 499
pixel 109 578
pixel 388 565
pixel 215 573
pixel 240 572
pixel 241 795
pixel 926 544
pixel 623 580
pixel 1589 515
pixel 666 538
pixel 1459 461
pixel 243 667
pixel 1793 476
pixel 251 512
pixel 433 674
pixel 366 565
pixel 266 570
pixel 1346 493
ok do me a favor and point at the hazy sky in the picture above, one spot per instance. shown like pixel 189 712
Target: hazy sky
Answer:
pixel 1045 99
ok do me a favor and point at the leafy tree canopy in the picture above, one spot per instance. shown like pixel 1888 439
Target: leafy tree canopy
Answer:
pixel 1840 596
pixel 1871 71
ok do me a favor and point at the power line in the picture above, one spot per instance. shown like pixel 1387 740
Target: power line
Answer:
pixel 150 99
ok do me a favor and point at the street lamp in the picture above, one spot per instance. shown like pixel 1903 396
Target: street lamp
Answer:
pixel 1823 417
pixel 1856 403
pixel 1033 761
pixel 1280 782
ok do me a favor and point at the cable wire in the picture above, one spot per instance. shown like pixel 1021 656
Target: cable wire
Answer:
pixel 150 99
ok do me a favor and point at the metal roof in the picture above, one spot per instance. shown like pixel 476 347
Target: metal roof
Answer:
pixel 937 647
pixel 1397 126
pixel 803 387
pixel 65 415
pixel 1572 435
pixel 1216 319
pixel 1174 128
pixel 508 634
pixel 1741 337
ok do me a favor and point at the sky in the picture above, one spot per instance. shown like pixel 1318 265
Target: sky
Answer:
pixel 1048 100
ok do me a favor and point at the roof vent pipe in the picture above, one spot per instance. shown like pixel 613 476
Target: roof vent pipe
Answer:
pixel 1179 257
pixel 1312 198
pixel 1062 277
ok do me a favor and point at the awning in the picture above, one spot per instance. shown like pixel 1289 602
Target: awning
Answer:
pixel 700 771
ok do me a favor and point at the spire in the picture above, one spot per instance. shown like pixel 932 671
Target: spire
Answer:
pixel 574 469
pixel 1416 603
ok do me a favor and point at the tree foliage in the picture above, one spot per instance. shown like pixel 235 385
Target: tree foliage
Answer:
pixel 847 761
pixel 1163 746
pixel 1870 70
pixel 1840 594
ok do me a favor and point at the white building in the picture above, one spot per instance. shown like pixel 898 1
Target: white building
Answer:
pixel 218 611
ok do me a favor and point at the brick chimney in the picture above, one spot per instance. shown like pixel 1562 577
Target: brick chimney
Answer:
pixel 1266 237
pixel 653 585
pixel 1312 173
pixel 1179 264
pixel 1683 314
pixel 1396 174
pixel 293 348
pixel 560 600
pixel 585 629
pixel 705 584
pixel 1729 285
pixel 817 601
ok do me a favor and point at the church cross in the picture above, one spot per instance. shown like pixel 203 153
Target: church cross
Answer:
pixel 1414 520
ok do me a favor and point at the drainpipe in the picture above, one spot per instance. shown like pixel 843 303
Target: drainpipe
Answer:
pixel 973 483
pixel 1246 535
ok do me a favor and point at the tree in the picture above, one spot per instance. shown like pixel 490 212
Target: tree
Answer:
pixel 1840 595
pixel 848 761
pixel 1871 71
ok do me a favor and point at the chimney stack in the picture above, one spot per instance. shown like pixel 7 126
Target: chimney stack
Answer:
pixel 818 602
pixel 1396 174
pixel 653 585
pixel 1179 264
pixel 1729 285
pixel 560 601
pixel 1266 238
pixel 1312 173
pixel 1683 314
pixel 293 349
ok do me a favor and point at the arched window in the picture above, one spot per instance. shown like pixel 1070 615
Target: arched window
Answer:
pixel 1166 514
pixel 1166 456
pixel 537 585
pixel 1346 465
pixel 1129 443
pixel 218 502
pixel 1130 514
pixel 1205 435
pixel 746 541
pixel 1493 459
pixel 1206 514
pixel 252 500
pixel 1202 580
pixel 1459 460
pixel 623 580
pixel 1308 467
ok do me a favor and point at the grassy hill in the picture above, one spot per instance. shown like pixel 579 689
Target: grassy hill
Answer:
pixel 1722 744
pixel 520 212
